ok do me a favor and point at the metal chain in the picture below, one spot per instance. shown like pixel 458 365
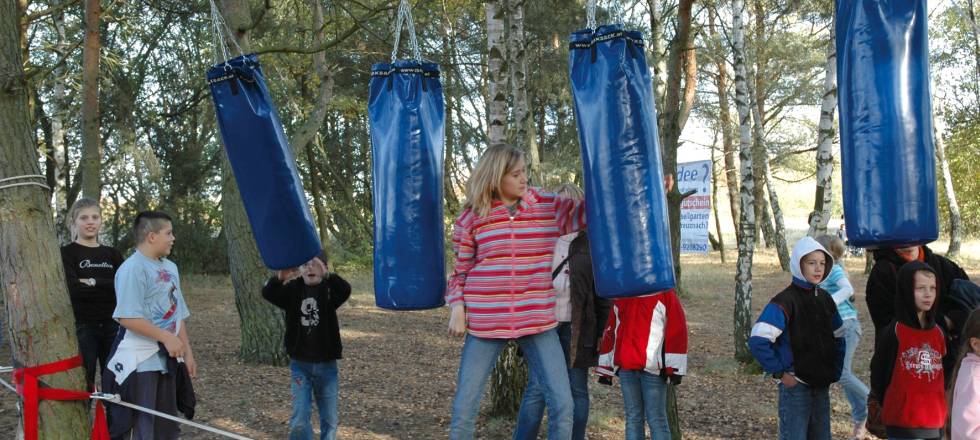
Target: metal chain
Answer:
pixel 218 28
pixel 405 14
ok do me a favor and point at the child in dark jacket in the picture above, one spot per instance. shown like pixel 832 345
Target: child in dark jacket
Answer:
pixel 310 296
pixel 906 369
pixel 798 339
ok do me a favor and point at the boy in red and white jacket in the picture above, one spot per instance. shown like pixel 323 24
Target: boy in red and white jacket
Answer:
pixel 645 344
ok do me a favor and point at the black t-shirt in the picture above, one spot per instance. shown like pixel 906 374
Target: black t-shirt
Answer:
pixel 91 303
pixel 310 345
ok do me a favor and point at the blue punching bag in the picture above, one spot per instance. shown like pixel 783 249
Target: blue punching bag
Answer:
pixel 263 164
pixel 887 161
pixel 407 118
pixel 624 186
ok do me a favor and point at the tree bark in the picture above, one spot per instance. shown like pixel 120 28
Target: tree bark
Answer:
pixel 714 202
pixel 777 234
pixel 497 73
pixel 746 240
pixel 59 186
pixel 657 60
pixel 827 130
pixel 39 315
pixel 91 164
pixel 509 375
pixel 725 119
pixel 955 231
pixel 524 134
pixel 261 323
pixel 672 119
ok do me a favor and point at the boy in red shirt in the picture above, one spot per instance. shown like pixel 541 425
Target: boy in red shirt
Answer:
pixel 907 369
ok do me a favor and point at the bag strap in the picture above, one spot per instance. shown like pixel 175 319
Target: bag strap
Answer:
pixel 554 273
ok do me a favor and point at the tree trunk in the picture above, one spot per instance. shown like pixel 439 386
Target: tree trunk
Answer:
pixel 725 119
pixel 91 164
pixel 955 231
pixel 672 119
pixel 825 144
pixel 657 60
pixel 39 316
pixel 59 189
pixel 261 323
pixel 714 202
pixel 497 74
pixel 777 234
pixel 746 240
pixel 782 249
pixel 524 134
pixel 509 376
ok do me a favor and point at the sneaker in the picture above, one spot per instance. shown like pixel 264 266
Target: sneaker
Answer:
pixel 860 432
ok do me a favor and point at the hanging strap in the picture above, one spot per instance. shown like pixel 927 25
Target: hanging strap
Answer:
pixel 218 29
pixel 29 387
pixel 405 15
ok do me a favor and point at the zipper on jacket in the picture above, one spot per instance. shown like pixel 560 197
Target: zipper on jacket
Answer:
pixel 513 273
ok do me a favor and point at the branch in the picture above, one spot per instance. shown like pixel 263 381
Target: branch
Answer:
pixel 326 45
pixel 50 11
pixel 36 70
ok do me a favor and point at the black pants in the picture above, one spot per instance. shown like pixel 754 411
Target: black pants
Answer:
pixel 94 343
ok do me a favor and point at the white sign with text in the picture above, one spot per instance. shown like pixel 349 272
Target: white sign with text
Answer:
pixel 695 209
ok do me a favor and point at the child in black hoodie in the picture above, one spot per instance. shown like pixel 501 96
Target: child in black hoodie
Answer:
pixel 310 296
pixel 907 369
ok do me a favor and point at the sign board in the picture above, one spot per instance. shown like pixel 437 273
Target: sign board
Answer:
pixel 695 209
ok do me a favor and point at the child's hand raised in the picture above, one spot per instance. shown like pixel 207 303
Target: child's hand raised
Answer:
pixel 287 274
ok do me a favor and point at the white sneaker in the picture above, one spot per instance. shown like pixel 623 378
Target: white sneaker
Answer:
pixel 860 432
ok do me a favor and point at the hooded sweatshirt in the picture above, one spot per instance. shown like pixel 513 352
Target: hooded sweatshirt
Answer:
pixel 800 331
pixel 906 369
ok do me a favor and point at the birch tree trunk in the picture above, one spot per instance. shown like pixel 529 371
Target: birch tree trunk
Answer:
pixel 955 231
pixel 39 318
pixel 746 240
pixel 261 323
pixel 725 119
pixel 509 376
pixel 778 234
pixel 91 164
pixel 524 133
pixel 825 144
pixel 497 73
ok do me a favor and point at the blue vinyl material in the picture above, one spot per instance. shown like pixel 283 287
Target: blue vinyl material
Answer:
pixel 407 118
pixel 263 164
pixel 887 158
pixel 617 124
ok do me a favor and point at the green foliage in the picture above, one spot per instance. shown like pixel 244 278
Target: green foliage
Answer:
pixel 963 154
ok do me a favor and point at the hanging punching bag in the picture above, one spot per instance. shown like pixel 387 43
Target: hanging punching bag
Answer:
pixel 624 185
pixel 887 161
pixel 263 164
pixel 407 134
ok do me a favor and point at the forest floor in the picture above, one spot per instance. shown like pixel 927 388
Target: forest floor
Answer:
pixel 399 369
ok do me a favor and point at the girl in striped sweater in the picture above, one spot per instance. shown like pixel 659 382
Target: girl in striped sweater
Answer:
pixel 500 289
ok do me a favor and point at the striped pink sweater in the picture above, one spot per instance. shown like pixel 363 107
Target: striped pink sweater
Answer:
pixel 503 264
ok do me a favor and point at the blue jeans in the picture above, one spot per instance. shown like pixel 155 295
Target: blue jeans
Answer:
pixel 644 397
pixel 313 380
pixel 532 406
pixel 854 389
pixel 545 362
pixel 804 413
